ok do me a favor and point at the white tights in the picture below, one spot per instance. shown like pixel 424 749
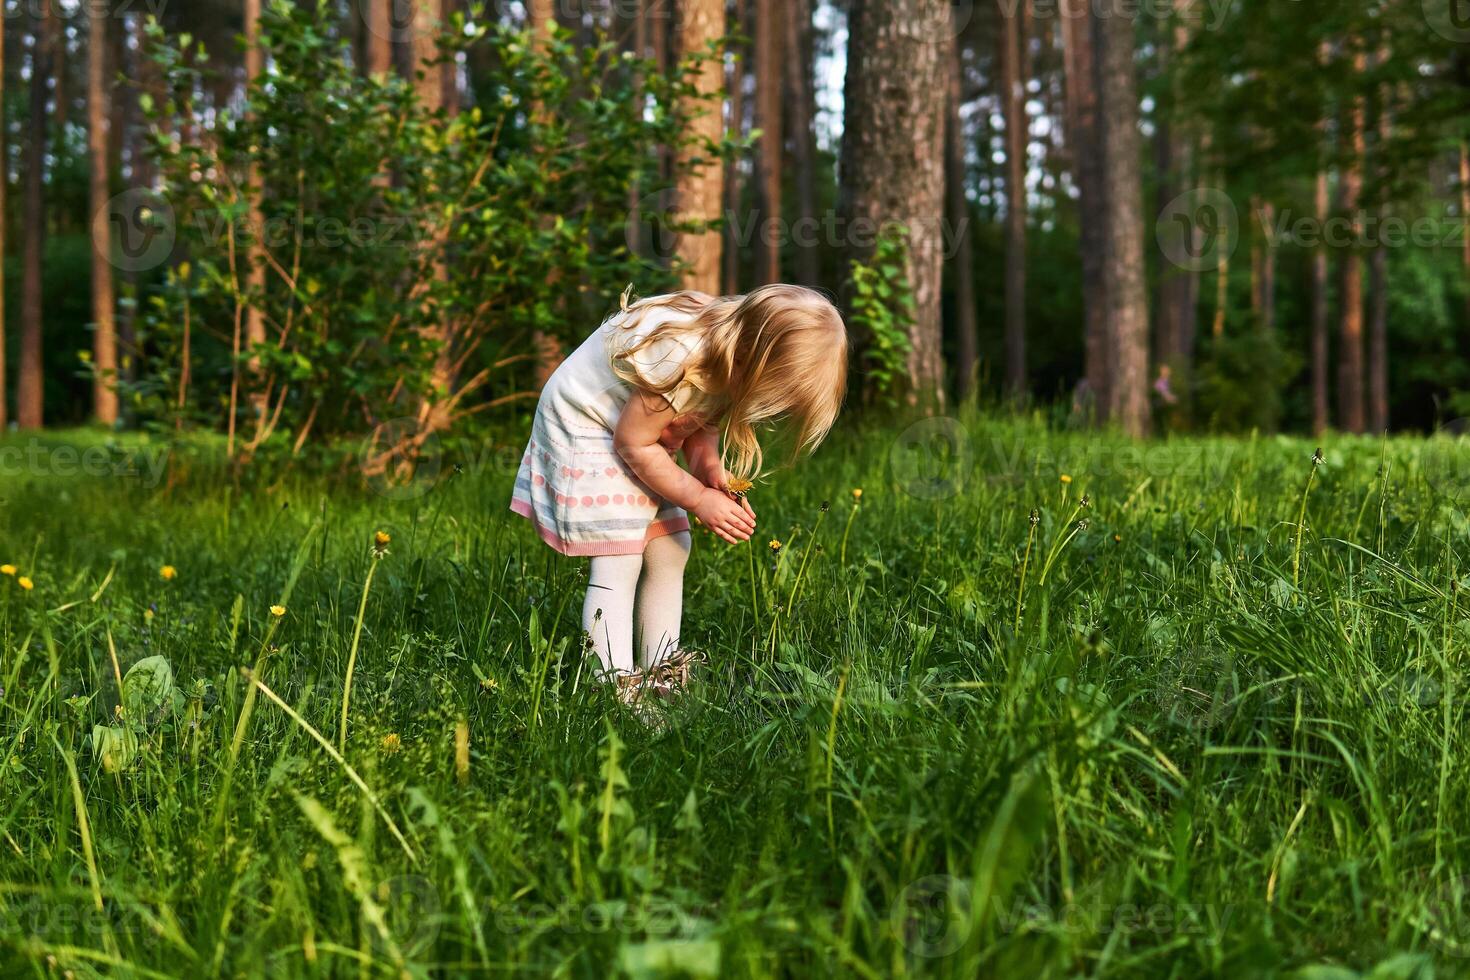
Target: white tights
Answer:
pixel 656 580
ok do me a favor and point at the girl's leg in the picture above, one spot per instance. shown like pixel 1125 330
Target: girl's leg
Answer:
pixel 607 613
pixel 661 596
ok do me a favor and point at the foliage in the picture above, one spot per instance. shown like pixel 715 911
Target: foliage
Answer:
pixel 882 315
pixel 1240 379
pixel 407 256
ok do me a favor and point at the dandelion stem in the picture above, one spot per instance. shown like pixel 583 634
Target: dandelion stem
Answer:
pixel 851 516
pixel 1301 524
pixel 1025 561
pixel 367 584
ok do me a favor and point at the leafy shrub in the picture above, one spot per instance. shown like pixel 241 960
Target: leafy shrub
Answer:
pixel 883 313
pixel 410 254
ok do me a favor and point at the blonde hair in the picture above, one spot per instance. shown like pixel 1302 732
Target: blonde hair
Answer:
pixel 778 353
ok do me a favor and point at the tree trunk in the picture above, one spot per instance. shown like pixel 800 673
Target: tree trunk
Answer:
pixel 893 157
pixel 1378 419
pixel 769 28
pixel 1351 408
pixel 1321 316
pixel 1465 218
pixel 735 86
pixel 378 58
pixel 29 395
pixel 541 21
pixel 967 330
pixel 4 211
pixel 1176 297
pixel 799 64
pixel 1123 261
pixel 1082 138
pixel 1013 46
pixel 701 190
pixel 99 113
pixel 1263 267
pixel 255 256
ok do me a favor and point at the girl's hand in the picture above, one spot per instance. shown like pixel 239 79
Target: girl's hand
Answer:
pixel 719 512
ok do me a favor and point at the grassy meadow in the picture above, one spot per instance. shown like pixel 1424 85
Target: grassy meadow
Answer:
pixel 1210 722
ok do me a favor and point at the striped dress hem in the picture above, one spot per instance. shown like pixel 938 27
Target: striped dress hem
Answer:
pixel 598 549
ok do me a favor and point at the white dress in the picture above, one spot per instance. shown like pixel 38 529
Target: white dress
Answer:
pixel 572 485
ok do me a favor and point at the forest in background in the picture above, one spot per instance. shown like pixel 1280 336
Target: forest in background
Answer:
pixel 323 218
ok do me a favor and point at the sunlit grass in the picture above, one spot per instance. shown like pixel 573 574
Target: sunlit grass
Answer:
pixel 1210 723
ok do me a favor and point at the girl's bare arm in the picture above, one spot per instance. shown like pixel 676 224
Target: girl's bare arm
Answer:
pixel 636 439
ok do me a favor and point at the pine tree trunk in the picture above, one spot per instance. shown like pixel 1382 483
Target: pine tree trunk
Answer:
pixel 104 300
pixel 255 255
pixel 735 88
pixel 893 156
pixel 1123 261
pixel 541 21
pixel 701 190
pixel 1263 267
pixel 1351 412
pixel 1176 296
pixel 769 98
pixel 1014 42
pixel 1378 413
pixel 799 59
pixel 30 389
pixel 1321 317
pixel 4 210
pixel 1465 218
pixel 967 329
pixel 378 58
pixel 1082 139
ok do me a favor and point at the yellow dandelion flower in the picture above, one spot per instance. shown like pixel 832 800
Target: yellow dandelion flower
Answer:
pixel 392 743
pixel 278 611
pixel 490 684
pixel 1066 478
pixel 168 573
pixel 739 487
pixel 147 615
pixel 857 493
pixel 25 583
pixel 382 539
pixel 775 545
pixel 7 570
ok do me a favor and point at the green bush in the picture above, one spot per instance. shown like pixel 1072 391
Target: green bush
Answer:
pixel 410 253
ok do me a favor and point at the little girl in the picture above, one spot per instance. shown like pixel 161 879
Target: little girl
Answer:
pixel 670 373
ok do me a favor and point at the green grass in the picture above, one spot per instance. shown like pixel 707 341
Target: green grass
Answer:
pixel 1153 756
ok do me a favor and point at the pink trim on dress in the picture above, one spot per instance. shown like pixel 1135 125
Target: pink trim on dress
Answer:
pixel 596 549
